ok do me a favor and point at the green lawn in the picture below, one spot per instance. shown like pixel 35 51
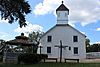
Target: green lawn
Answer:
pixel 53 65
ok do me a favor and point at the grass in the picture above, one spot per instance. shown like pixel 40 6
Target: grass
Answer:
pixel 53 65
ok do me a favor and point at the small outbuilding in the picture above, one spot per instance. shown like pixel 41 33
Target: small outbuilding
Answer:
pixel 20 44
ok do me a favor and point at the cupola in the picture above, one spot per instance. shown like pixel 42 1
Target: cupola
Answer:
pixel 62 14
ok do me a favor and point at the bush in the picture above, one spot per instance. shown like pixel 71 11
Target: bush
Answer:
pixel 1 58
pixel 31 58
pixel 43 56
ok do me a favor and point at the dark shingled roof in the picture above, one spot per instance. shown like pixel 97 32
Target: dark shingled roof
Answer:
pixel 20 40
pixel 62 7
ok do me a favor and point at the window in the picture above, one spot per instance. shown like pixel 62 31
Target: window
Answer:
pixel 75 38
pixel 65 14
pixel 58 14
pixel 69 48
pixel 48 49
pixel 75 50
pixel 49 38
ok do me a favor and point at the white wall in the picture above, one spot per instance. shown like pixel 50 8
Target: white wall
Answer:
pixel 64 33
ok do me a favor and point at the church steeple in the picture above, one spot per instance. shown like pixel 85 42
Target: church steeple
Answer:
pixel 62 14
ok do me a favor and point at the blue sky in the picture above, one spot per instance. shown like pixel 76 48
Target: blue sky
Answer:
pixel 84 16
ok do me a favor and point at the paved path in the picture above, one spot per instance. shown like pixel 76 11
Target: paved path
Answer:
pixel 90 61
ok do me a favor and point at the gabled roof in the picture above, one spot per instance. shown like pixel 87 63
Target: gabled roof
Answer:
pixel 63 25
pixel 62 7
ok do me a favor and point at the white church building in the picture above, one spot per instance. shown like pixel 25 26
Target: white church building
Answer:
pixel 63 41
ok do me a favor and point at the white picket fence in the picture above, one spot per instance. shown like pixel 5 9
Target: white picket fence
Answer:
pixel 93 55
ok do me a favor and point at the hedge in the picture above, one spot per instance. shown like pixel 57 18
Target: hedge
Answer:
pixel 31 58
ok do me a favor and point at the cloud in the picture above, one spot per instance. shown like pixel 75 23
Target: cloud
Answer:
pixel 3 21
pixel 85 12
pixel 29 28
pixel 4 36
pixel 97 42
pixel 98 29
pixel 48 6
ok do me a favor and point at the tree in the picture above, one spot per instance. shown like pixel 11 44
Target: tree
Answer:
pixel 14 10
pixel 35 38
pixel 2 47
pixel 95 48
pixel 87 42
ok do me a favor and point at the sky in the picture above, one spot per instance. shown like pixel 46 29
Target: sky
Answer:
pixel 84 15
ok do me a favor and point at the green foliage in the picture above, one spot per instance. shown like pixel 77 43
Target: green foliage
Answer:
pixel 35 37
pixel 94 48
pixel 87 42
pixel 2 47
pixel 14 10
pixel 31 58
pixel 1 58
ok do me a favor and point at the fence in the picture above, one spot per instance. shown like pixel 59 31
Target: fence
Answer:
pixel 93 55
pixel 10 57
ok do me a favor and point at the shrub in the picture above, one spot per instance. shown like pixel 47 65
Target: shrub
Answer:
pixel 43 56
pixel 1 58
pixel 31 58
